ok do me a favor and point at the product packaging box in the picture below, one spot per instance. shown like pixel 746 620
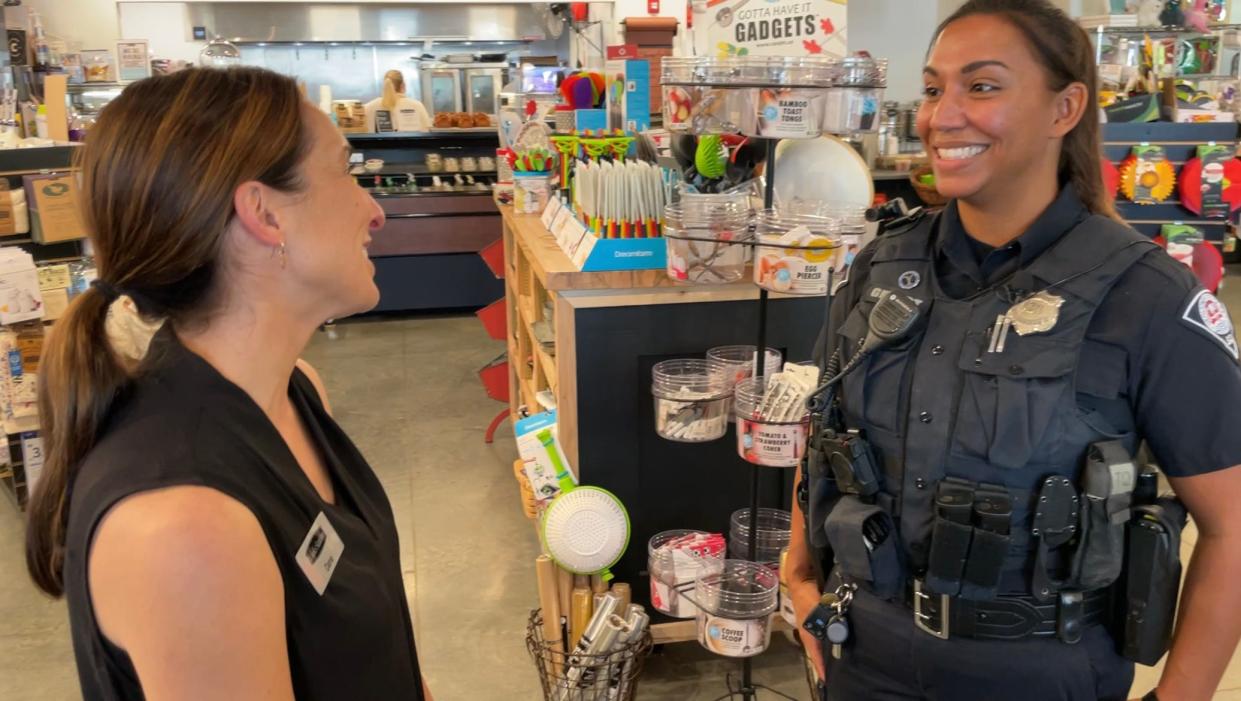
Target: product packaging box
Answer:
pixel 539 468
pixel 14 214
pixel 54 207
pixel 629 95
pixel 19 365
pixel 590 120
pixel 54 283
pixel 20 299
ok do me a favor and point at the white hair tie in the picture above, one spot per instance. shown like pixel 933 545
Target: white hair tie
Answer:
pixel 129 332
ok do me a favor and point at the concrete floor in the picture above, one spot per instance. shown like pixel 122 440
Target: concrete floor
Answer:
pixel 406 391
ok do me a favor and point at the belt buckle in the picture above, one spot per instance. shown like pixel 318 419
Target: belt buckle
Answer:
pixel 923 620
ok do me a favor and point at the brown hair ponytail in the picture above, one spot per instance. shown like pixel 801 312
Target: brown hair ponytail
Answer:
pixel 1066 53
pixel 159 170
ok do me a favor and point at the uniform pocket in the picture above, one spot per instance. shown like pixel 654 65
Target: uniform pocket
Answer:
pixel 1009 400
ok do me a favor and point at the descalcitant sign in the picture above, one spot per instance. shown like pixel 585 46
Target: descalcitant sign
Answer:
pixel 772 27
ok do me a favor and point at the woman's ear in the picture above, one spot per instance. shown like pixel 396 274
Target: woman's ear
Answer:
pixel 255 208
pixel 1070 108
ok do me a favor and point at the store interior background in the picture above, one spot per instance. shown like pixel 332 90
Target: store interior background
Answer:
pixel 405 389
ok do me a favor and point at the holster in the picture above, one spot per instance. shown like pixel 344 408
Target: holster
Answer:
pixel 1152 579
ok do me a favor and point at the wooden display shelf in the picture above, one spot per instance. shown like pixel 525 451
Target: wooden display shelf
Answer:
pixel 609 328
pixel 554 270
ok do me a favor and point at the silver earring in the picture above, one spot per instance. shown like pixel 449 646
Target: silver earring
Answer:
pixel 283 259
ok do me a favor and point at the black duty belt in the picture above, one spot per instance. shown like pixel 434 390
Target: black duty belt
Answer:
pixel 1007 617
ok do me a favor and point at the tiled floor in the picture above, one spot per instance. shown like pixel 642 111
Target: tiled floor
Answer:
pixel 407 393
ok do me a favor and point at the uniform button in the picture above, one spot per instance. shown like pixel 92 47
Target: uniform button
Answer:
pixel 937 350
pixel 920 483
pixel 925 417
pixel 1016 369
pixel 977 362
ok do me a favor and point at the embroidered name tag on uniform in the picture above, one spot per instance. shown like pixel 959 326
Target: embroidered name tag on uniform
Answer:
pixel 1206 313
pixel 320 553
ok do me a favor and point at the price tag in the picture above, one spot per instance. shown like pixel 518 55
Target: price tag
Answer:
pixel 32 459
pixel 562 220
pixel 584 246
pixel 553 208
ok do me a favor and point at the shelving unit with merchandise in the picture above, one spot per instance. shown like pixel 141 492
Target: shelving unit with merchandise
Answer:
pixel 53 238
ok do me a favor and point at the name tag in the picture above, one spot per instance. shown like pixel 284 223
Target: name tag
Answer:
pixel 320 553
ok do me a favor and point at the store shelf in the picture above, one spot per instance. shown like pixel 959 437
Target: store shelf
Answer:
pixel 480 134
pixel 556 272
pixel 549 367
pixel 21 425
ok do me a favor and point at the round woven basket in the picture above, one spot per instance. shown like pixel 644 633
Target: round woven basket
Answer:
pixel 928 194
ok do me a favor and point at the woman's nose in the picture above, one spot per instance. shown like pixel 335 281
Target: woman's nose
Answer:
pixel 947 112
pixel 377 215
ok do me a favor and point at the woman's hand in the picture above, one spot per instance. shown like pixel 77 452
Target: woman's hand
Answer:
pixel 806 597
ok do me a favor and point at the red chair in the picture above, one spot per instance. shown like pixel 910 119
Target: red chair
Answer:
pixel 495 381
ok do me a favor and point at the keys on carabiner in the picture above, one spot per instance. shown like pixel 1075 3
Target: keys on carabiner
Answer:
pixel 838 625
pixel 837 634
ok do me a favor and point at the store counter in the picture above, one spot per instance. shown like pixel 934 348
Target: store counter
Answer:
pixel 588 341
pixel 426 255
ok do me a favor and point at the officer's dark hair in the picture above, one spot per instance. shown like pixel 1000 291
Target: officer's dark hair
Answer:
pixel 1066 53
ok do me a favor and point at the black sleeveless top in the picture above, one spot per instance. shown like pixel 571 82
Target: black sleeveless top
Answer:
pixel 182 423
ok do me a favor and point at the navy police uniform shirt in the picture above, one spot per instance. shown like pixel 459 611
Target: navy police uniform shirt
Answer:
pixel 1159 342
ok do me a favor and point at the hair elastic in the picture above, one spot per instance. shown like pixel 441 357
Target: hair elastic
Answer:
pixel 107 289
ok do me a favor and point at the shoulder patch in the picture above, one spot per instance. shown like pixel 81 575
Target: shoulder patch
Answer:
pixel 1207 315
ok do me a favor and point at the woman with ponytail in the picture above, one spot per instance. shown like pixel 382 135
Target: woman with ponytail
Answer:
pixel 214 531
pixel 404 113
pixel 1046 342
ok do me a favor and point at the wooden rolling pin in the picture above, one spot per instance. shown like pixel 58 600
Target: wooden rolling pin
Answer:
pixel 549 600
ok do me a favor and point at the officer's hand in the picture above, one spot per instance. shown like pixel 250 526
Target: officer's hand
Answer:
pixel 806 597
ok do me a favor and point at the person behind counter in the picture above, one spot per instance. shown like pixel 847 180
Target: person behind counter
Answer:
pixel 215 532
pixel 402 113
pixel 979 485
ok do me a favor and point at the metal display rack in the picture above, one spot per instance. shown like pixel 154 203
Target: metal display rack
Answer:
pixel 749 689
pixel 850 74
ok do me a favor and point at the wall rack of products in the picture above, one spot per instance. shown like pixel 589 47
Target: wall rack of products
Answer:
pixel 45 262
pixel 729 587
pixel 1180 144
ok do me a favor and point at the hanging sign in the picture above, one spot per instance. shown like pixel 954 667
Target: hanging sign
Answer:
pixel 772 28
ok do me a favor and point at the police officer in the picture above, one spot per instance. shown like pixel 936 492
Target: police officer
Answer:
pixel 1042 334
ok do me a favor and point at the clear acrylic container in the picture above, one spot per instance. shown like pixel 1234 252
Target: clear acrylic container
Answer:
pixel 700 95
pixel 701 240
pixel 855 102
pixel 775 528
pixel 786 96
pixel 736 606
pixel 674 572
pixel 761 441
pixel 737 362
pixel 794 270
pixel 691 400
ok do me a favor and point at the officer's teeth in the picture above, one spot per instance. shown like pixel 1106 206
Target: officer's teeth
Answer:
pixel 958 154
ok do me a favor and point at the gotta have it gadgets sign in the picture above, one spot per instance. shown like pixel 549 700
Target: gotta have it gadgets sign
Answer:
pixel 770 27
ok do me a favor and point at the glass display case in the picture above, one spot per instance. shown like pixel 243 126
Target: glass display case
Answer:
pixel 87 99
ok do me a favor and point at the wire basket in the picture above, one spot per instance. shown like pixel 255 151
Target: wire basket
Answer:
pixel 580 677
